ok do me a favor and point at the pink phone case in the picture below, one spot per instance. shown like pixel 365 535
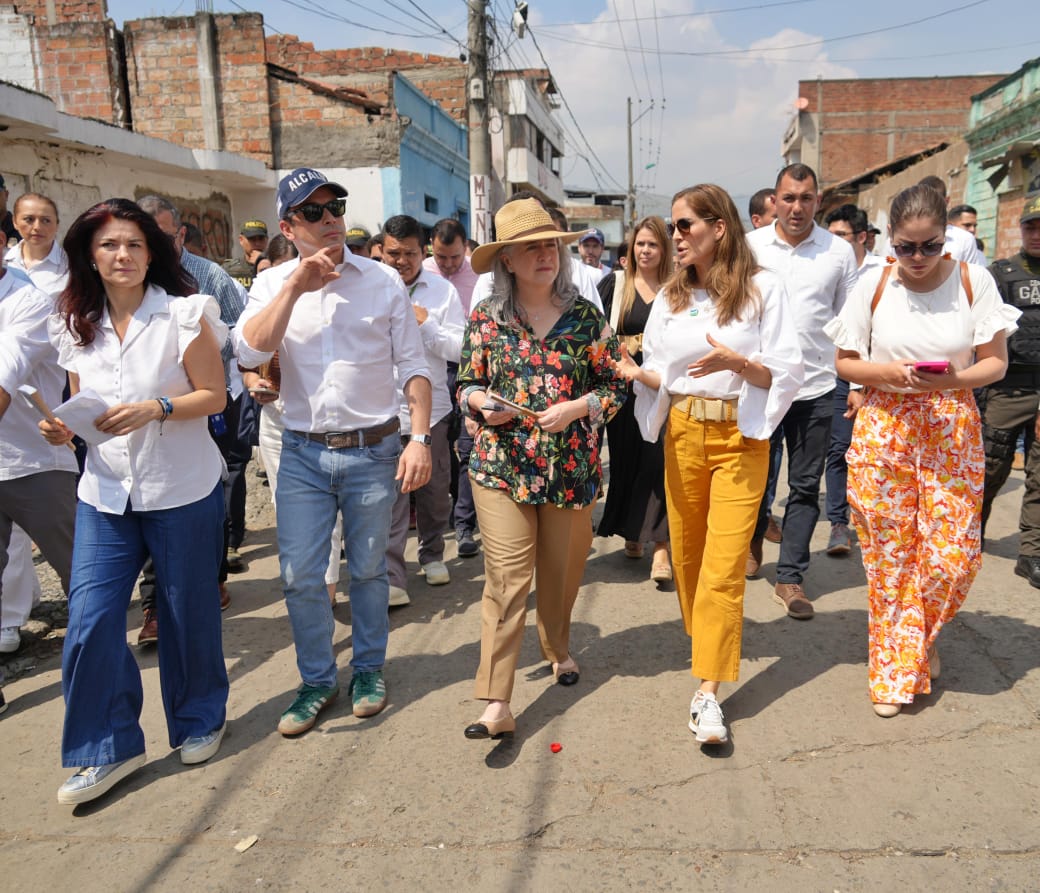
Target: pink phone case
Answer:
pixel 933 368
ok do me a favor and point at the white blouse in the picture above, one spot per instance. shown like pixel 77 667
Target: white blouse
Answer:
pixel 152 471
pixel 50 275
pixel 934 326
pixel 671 341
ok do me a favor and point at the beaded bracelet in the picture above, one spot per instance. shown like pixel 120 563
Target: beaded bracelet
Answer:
pixel 166 405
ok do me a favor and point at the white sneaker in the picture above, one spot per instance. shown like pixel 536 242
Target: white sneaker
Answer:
pixel 10 639
pixel 399 597
pixel 706 720
pixel 436 573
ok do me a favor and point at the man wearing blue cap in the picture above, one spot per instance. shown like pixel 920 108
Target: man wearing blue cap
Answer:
pixel 591 250
pixel 341 324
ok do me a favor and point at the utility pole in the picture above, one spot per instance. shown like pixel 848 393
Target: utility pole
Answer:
pixel 631 175
pixel 479 138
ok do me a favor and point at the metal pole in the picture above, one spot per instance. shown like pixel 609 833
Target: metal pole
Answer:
pixel 631 176
pixel 479 138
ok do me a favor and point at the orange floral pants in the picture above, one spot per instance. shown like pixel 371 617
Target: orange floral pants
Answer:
pixel 916 471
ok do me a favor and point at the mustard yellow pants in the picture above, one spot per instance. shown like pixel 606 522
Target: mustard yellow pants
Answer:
pixel 519 542
pixel 714 480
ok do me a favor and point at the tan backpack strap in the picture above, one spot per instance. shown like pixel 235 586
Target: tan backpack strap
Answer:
pixel 966 282
pixel 880 288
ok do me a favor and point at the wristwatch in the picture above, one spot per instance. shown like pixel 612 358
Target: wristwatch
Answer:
pixel 424 439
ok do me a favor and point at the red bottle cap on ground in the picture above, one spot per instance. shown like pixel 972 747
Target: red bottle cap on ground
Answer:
pixel 556 747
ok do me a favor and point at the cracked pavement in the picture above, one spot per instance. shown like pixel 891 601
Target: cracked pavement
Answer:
pixel 814 792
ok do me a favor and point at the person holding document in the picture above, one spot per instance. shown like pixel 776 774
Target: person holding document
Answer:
pixel 536 375
pixel 134 338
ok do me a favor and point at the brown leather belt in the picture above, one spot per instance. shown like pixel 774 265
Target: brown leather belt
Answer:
pixel 345 440
pixel 705 409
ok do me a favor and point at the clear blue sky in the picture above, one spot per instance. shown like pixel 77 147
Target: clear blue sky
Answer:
pixel 715 99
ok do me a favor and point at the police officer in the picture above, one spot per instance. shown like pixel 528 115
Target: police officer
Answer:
pixel 1012 404
pixel 253 241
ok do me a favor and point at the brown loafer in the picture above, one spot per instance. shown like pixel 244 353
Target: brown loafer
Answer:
pixel 754 560
pixel 773 532
pixel 149 634
pixel 792 597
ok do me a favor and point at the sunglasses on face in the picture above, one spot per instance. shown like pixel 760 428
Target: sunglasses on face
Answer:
pixel 312 212
pixel 927 249
pixel 683 224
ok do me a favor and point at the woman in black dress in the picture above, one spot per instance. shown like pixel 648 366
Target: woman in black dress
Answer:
pixel 635 506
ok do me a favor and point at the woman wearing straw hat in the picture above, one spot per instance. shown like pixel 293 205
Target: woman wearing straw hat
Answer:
pixel 536 375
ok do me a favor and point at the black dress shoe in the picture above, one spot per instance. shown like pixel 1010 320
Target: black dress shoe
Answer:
pixel 1028 566
pixel 492 728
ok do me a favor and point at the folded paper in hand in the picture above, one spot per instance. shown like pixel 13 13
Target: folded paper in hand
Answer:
pixel 78 414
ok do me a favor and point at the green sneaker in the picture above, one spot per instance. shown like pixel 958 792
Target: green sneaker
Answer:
pixel 303 712
pixel 368 691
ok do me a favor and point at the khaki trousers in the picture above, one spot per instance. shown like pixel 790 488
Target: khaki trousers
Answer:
pixel 714 478
pixel 519 542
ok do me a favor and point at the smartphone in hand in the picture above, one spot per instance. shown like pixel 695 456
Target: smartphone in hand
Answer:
pixel 933 368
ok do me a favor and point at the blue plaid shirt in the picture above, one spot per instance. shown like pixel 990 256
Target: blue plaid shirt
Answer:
pixel 212 280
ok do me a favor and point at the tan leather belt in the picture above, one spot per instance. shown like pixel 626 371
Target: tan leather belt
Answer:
pixel 705 409
pixel 345 440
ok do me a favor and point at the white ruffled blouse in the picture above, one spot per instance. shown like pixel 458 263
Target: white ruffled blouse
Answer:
pixel 151 471
pixel 934 326
pixel 671 341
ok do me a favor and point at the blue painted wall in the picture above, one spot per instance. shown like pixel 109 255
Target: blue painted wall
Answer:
pixel 434 160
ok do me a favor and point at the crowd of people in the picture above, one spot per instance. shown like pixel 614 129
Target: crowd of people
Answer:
pixel 413 378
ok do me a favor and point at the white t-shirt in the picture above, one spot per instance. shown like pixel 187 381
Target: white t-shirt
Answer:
pixel 152 470
pixel 671 341
pixel 961 245
pixel 920 327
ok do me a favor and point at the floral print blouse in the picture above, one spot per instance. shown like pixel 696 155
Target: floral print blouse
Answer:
pixel 571 362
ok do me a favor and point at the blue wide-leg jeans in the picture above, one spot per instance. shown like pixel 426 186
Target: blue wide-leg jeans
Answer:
pixel 99 675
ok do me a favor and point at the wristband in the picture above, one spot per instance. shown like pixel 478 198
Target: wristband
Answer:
pixel 166 405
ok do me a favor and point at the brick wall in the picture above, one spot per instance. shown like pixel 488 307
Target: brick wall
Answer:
pixel 868 122
pixel 80 67
pixel 1009 230
pixel 441 78
pixel 64 10
pixel 165 89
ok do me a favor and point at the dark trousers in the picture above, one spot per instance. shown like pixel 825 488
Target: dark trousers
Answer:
pixel 807 433
pixel 240 451
pixel 465 515
pixel 776 461
pixel 1009 413
pixel 837 500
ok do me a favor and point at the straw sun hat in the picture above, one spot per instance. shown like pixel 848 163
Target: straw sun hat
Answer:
pixel 524 220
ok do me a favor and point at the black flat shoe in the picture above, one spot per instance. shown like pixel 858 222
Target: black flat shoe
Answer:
pixel 567 677
pixel 497 728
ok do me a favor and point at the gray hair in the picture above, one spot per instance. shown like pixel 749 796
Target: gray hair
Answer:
pixel 153 204
pixel 504 308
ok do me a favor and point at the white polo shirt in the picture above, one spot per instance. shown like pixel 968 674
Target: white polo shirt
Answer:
pixel 49 275
pixel 27 357
pixel 441 338
pixel 341 347
pixel 819 274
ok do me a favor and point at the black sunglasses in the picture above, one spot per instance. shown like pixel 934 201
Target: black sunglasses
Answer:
pixel 909 249
pixel 312 212
pixel 683 224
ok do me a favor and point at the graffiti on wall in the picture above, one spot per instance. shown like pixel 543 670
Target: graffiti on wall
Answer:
pixel 214 226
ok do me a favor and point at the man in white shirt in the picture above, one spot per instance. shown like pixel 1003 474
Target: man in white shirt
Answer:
pixel 818 270
pixel 37 481
pixel 438 311
pixel 590 247
pixel 341 324
pixel 960 244
pixel 450 260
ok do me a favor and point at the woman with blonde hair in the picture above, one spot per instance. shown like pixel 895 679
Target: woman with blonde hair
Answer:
pixel 635 507
pixel 39 255
pixel 920 333
pixel 721 364
pixel 535 464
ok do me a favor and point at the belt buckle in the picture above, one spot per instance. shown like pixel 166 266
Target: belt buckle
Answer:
pixel 717 413
pixel 697 408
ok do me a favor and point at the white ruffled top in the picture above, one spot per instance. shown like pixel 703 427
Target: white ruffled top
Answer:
pixel 671 341
pixel 934 326
pixel 151 471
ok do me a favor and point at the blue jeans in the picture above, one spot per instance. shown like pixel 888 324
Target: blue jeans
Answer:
pixel 807 431
pixel 314 484
pixel 837 468
pixel 100 677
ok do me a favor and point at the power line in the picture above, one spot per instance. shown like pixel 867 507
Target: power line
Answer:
pixel 685 15
pixel 312 7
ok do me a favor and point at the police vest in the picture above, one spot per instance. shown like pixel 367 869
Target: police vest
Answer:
pixel 1021 289
pixel 241 270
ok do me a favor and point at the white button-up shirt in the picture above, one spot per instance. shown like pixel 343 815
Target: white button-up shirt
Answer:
pixel 27 357
pixel 441 337
pixel 819 274
pixel 464 278
pixel 961 245
pixel 50 275
pixel 340 348
pixel 151 470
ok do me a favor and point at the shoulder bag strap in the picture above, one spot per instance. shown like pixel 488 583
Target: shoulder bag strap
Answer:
pixel 882 282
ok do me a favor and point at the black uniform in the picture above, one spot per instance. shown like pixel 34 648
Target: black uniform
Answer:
pixel 1012 404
